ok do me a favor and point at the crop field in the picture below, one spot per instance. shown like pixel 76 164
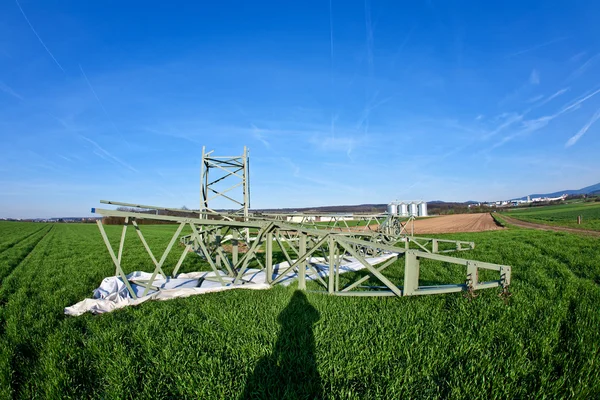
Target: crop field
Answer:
pixel 562 215
pixel 472 222
pixel 282 343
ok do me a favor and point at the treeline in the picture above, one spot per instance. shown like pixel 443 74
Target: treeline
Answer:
pixel 443 208
pixel 587 198
pixel 361 208
pixel 141 221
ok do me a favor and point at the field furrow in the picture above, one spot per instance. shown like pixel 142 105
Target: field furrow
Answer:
pixel 22 315
pixel 14 240
pixel 11 257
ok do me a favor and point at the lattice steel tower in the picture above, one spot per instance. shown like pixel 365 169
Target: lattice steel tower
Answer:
pixel 229 174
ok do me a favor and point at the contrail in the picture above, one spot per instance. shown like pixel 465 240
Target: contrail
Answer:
pixel 578 102
pixel 369 29
pixel 8 90
pixel 369 83
pixel 102 153
pixel 100 102
pixel 582 68
pixel 92 89
pixel 583 130
pixel 535 47
pixel 39 38
pixel 370 107
pixel 331 30
pixel 331 65
pixel 404 42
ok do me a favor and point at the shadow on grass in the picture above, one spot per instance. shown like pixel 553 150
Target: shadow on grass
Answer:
pixel 290 371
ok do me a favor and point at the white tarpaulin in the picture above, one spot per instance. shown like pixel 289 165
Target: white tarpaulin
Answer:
pixel 113 294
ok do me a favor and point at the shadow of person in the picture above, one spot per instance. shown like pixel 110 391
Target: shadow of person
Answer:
pixel 291 370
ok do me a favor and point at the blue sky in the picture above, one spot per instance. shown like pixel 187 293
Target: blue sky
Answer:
pixel 340 102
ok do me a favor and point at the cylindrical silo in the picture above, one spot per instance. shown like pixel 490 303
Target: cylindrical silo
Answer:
pixel 413 209
pixel 422 209
pixel 403 209
pixel 392 209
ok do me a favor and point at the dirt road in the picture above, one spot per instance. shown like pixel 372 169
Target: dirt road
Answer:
pixel 531 225
pixel 456 223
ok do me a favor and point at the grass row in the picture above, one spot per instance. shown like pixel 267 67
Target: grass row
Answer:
pixel 280 343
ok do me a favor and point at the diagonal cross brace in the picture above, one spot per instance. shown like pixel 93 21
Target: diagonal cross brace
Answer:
pixel 371 269
pixel 139 232
pixel 301 259
pixel 365 278
pixel 243 263
pixel 116 261
pixel 207 255
pixel 229 173
pixel 162 259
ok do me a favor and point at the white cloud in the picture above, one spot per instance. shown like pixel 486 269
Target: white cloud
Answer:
pixel 534 78
pixel 507 119
pixel 577 56
pixel 333 144
pixel 532 125
pixel 258 135
pixel 535 98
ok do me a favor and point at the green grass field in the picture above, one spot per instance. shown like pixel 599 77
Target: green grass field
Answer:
pixel 561 215
pixel 280 343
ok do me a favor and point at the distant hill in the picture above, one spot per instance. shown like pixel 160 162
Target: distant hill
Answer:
pixel 434 207
pixel 593 189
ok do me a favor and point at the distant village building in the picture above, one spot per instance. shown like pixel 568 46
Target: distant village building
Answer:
pixel 518 202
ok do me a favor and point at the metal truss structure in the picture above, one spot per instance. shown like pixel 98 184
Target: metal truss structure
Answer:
pixel 317 255
pixel 238 246
pixel 383 222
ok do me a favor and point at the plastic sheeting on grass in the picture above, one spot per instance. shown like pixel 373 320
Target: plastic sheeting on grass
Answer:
pixel 113 294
